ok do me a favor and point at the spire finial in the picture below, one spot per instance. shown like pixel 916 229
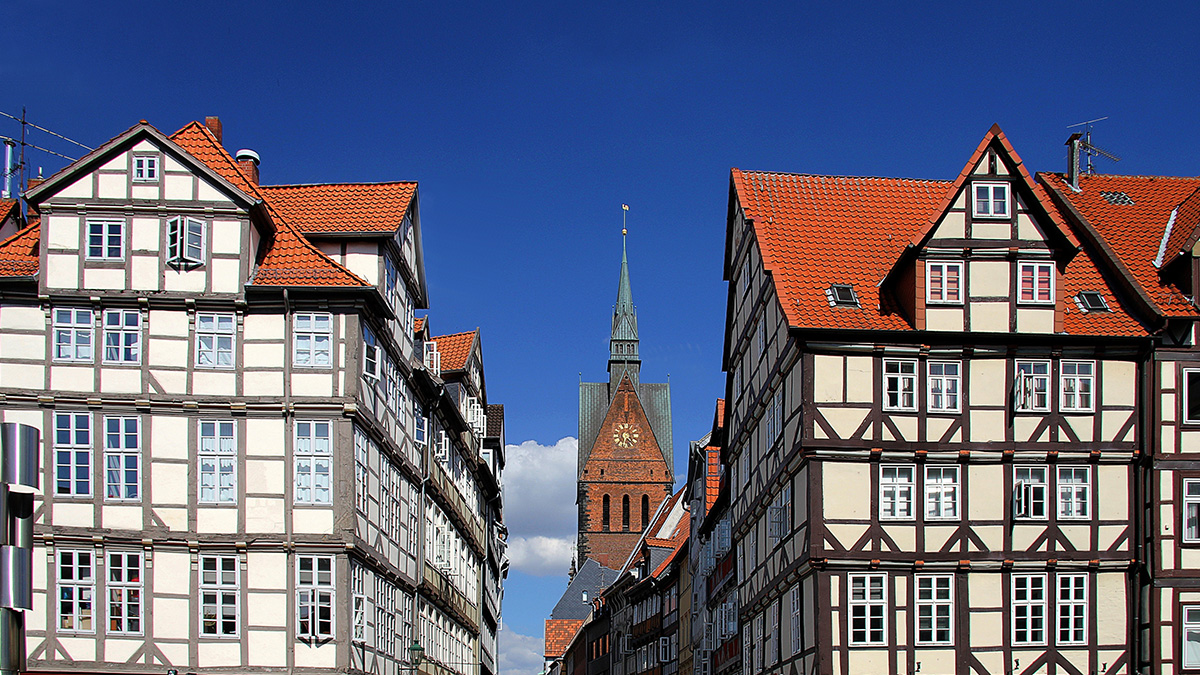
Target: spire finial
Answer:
pixel 624 230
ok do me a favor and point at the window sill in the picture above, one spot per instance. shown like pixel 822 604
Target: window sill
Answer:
pixel 1080 412
pixel 900 410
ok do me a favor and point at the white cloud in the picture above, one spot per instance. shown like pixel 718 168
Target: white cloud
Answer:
pixel 539 505
pixel 520 654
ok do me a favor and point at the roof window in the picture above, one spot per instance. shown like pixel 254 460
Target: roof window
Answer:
pixel 842 295
pixel 1118 198
pixel 1091 301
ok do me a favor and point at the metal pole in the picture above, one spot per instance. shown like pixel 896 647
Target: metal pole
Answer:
pixel 19 445
pixel 8 146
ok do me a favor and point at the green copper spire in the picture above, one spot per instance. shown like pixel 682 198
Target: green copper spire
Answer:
pixel 623 345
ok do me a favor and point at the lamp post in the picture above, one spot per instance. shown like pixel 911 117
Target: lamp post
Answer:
pixel 18 480
pixel 415 654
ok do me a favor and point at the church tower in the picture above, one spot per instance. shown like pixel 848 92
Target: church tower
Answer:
pixel 625 459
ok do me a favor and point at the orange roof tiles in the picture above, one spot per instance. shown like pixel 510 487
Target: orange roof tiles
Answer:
pixel 712 477
pixel 418 324
pixel 343 207
pixel 455 349
pixel 6 207
pixel 559 633
pixel 19 253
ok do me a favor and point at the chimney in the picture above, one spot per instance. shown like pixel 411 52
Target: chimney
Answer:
pixel 248 162
pixel 214 125
pixel 1073 161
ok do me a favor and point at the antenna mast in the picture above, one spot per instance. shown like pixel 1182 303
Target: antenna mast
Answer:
pixel 1086 144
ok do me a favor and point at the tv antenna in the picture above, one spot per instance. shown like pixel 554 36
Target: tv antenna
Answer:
pixel 1086 144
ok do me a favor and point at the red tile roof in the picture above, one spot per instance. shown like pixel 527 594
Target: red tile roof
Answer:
pixel 455 349
pixel 376 208
pixel 712 477
pixel 418 324
pixel 559 633
pixel 19 253
pixel 6 207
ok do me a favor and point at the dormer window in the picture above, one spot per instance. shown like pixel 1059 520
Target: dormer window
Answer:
pixel 943 282
pixel 145 168
pixel 1091 301
pixel 991 200
pixel 842 295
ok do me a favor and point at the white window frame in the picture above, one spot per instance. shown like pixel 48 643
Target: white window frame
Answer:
pixel 900 381
pixel 122 339
pixel 1032 387
pixel 372 355
pixel 315 596
pixel 124 582
pixel 935 602
pixel 122 458
pixel 871 610
pixel 943 382
pixel 1074 497
pixel 896 496
pixel 1186 412
pixel 76 453
pixel 217 456
pixel 145 168
pixel 76 577
pixel 307 336
pixel 219 329
pixel 940 295
pixel 1071 608
pixel 220 593
pixel 1191 510
pixel 1035 267
pixel 185 241
pixel 102 238
pixel 1026 605
pixel 1077 386
pixel 74 334
pixel 313 462
pixel 1030 492
pixel 942 496
pixel 986 207
pixel 796 620
pixel 1191 625
pixel 358 604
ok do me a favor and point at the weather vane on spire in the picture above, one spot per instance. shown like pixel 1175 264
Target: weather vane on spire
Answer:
pixel 624 212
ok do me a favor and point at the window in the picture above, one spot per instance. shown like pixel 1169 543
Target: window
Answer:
pixel 1076 384
pixel 219 595
pixel 106 239
pixel 941 492
pixel 1191 636
pixel 935 609
pixel 358 608
pixel 943 282
pixel 772 650
pixel 1072 609
pixel 1191 510
pixel 214 340
pixel 945 380
pixel 900 384
pixel 605 517
pixel 757 646
pixel 122 336
pixel 1029 609
pixel 779 515
pixel 868 607
pixel 896 491
pixel 145 168
pixel 795 598
pixel 1091 301
pixel 312 339
pixel 991 200
pixel 125 593
pixel 370 355
pixel 1029 498
pixel 73 454
pixel 1074 492
pixel 185 241
pixel 73 335
pixel 1037 283
pixel 625 513
pixel 761 331
pixel 842 295
pixel 1033 386
pixel 645 511
pixel 314 596
pixel 122 458
pixel 76 585
pixel 1191 396
pixel 744 277
pixel 314 458
pixel 218 462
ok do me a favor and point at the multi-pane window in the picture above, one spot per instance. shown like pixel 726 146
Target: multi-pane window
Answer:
pixel 358 607
pixel 935 609
pixel 1074 492
pixel 1191 510
pixel 945 383
pixel 774 416
pixel 312 338
pixel 145 168
pixel 868 608
pixel 219 591
pixel 314 460
pixel 941 492
pixel 900 384
pixel 795 605
pixel 991 200
pixel 218 461
pixel 1191 636
pixel 73 454
pixel 1029 609
pixel 1029 492
pixel 1033 386
pixel 76 586
pixel 943 282
pixel 125 592
pixel 185 241
pixel 122 458
pixel 122 336
pixel 761 330
pixel 1076 384
pixel 1036 283
pixel 73 330
pixel 896 485
pixel 106 239
pixel 1072 609
pixel 214 340
pixel 314 596
pixel 1191 396
pixel 371 367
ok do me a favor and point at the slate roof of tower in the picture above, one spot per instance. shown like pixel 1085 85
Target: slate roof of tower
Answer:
pixel 340 208
pixel 591 577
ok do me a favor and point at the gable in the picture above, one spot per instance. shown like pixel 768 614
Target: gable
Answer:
pixel 625 437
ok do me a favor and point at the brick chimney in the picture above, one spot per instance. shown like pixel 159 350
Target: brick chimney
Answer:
pixel 214 125
pixel 248 162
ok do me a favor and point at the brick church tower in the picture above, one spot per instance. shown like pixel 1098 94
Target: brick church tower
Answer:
pixel 625 464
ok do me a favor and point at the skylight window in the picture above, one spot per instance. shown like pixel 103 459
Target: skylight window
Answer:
pixel 842 295
pixel 1118 198
pixel 1091 301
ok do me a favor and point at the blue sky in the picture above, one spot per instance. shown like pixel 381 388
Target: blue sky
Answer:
pixel 528 124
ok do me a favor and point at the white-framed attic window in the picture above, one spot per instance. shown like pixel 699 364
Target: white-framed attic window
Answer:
pixel 990 200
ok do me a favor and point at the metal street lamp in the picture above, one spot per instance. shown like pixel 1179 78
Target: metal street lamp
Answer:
pixel 415 654
pixel 19 445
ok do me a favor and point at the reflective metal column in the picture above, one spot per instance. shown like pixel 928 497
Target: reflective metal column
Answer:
pixel 19 465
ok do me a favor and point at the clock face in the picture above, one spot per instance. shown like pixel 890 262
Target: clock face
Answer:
pixel 625 435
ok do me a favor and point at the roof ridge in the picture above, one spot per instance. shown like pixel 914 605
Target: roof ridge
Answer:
pixel 465 332
pixel 304 185
pixel 830 175
pixel 1061 176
